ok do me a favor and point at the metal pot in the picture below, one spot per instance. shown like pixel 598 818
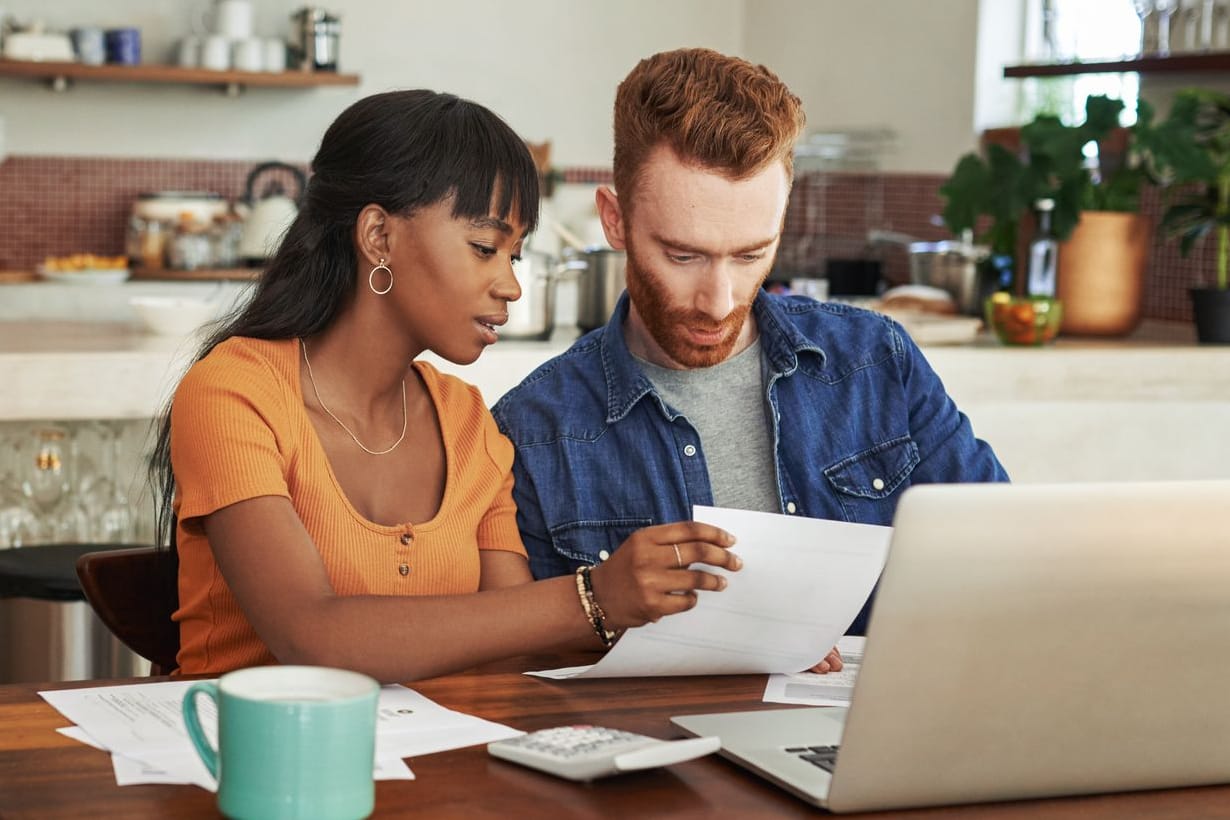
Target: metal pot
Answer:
pixel 951 266
pixel 533 315
pixel 600 283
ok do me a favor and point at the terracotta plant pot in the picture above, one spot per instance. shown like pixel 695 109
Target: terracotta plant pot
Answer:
pixel 1211 307
pixel 1102 272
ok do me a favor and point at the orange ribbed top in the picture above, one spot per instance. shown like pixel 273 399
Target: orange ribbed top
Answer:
pixel 239 430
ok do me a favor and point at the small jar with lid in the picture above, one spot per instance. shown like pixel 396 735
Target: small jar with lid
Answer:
pixel 225 232
pixel 147 242
pixel 191 247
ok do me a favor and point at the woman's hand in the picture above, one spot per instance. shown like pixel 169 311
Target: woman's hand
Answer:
pixel 649 575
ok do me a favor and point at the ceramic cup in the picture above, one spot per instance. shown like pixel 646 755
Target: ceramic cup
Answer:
pixel 248 55
pixel 294 742
pixel 275 54
pixel 188 51
pixel 90 45
pixel 123 46
pixel 232 18
pixel 216 53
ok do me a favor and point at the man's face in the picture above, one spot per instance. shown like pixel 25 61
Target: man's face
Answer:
pixel 699 246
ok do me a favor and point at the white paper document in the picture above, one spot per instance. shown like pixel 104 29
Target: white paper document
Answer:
pixel 812 689
pixel 142 726
pixel 802 583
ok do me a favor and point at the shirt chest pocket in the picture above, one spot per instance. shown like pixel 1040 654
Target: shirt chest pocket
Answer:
pixel 591 542
pixel 875 474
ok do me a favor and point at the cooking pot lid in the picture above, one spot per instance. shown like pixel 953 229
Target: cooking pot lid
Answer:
pixel 951 246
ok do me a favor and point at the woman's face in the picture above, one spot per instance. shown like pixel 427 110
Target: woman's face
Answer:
pixel 453 278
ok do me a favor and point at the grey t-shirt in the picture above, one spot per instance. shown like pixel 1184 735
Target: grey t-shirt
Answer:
pixel 726 404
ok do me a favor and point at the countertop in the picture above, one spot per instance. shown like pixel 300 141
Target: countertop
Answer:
pixel 78 370
pixel 55 369
pixel 1153 406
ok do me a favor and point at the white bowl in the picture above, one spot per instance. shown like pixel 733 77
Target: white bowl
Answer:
pixel 173 315
pixel 86 276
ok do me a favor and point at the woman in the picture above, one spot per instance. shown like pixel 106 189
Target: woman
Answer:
pixel 336 502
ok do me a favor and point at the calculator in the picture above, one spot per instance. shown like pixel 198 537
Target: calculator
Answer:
pixel 586 752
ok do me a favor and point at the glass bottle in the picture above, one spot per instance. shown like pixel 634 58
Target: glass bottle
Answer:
pixel 1043 253
pixel 1221 25
pixel 1050 33
pixel 1208 22
pixel 1166 10
pixel 1148 16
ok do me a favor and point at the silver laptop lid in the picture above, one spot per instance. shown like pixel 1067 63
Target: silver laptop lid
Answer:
pixel 759 741
pixel 1034 640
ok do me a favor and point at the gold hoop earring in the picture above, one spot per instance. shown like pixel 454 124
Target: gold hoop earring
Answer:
pixel 372 285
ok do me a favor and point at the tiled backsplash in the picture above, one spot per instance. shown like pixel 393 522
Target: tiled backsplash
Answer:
pixel 61 205
pixel 831 213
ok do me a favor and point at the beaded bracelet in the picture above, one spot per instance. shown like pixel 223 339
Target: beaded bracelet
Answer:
pixel 593 612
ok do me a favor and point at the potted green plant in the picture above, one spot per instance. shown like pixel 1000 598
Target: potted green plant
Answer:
pixel 1189 151
pixel 1096 211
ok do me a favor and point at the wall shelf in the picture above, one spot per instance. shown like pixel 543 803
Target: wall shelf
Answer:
pixel 60 75
pixel 1211 61
pixel 208 274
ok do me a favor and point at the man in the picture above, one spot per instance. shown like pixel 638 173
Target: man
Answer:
pixel 703 388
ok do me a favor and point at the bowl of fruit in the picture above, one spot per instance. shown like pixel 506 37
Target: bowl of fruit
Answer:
pixel 1023 320
pixel 85 269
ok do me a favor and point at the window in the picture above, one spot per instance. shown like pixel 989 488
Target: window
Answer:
pixel 1089 30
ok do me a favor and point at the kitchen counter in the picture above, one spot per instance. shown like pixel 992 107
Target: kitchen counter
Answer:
pixel 1152 406
pixel 106 303
pixel 66 370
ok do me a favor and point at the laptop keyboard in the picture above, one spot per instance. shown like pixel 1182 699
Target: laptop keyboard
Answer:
pixel 823 756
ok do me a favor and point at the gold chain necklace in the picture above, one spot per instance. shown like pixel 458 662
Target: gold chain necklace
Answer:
pixel 404 417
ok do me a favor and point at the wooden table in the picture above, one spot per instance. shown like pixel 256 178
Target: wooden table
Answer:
pixel 45 775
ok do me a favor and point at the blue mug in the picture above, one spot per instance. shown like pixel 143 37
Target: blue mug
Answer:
pixel 123 46
pixel 294 742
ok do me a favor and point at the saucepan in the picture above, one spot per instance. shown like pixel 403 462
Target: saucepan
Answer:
pixel 533 315
pixel 600 282
pixel 953 266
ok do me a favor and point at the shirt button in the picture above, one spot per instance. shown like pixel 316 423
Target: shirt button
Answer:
pixel 404 569
pixel 877 483
pixel 689 450
pixel 603 555
pixel 406 538
pixel 790 508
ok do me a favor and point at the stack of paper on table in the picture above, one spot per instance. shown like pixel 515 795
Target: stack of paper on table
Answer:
pixel 142 726
pixel 802 583
pixel 815 689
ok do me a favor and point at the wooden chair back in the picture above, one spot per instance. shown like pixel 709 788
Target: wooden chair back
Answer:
pixel 135 592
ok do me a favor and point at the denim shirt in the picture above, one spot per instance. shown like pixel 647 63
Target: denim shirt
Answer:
pixel 858 416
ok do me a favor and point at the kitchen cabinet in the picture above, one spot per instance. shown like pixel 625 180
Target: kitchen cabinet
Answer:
pixel 59 75
pixel 1205 62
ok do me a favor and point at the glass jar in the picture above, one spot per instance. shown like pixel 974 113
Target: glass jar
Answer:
pixel 146 243
pixel 191 247
pixel 225 235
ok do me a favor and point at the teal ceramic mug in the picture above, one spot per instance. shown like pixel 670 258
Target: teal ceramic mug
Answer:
pixel 294 742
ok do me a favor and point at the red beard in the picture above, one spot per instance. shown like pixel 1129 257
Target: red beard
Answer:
pixel 669 325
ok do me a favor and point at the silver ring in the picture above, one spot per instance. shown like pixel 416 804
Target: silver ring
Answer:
pixel 678 557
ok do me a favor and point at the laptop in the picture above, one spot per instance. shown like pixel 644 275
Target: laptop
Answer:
pixel 1027 641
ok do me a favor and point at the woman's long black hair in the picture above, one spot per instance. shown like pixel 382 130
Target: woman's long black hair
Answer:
pixel 401 150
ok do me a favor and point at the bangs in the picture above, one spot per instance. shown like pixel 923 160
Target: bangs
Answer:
pixel 487 169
